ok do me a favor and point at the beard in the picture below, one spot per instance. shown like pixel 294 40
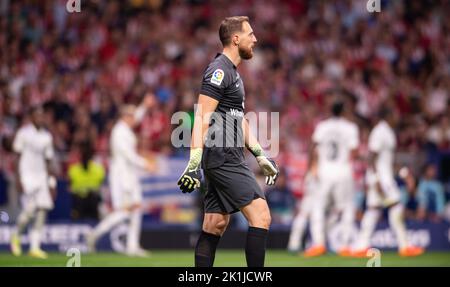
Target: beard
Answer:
pixel 245 53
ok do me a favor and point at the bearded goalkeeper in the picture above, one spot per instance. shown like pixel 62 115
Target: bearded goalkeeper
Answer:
pixel 230 185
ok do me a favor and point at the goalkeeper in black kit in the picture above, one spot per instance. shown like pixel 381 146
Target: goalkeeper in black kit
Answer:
pixel 230 185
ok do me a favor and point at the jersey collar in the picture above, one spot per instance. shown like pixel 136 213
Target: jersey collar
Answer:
pixel 227 60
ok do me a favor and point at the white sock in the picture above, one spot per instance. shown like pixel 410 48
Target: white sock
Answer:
pixel 109 222
pixel 36 231
pixel 318 225
pixel 23 220
pixel 297 229
pixel 347 220
pixel 398 225
pixel 368 224
pixel 331 220
pixel 134 230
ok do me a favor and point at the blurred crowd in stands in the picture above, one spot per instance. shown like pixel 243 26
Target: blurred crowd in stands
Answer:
pixel 82 66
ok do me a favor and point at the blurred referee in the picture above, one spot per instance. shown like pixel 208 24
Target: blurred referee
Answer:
pixel 219 135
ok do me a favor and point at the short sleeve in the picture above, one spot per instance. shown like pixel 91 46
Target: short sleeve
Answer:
pixel 214 82
pixel 375 141
pixel 318 134
pixel 19 142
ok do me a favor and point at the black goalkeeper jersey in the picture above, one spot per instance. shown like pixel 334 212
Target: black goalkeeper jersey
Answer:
pixel 225 142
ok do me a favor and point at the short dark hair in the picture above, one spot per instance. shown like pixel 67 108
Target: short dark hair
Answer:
pixel 337 108
pixel 229 26
pixel 384 112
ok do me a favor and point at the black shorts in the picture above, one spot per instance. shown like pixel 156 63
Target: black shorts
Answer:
pixel 229 188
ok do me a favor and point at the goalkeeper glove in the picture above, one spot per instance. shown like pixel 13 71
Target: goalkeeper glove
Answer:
pixel 268 165
pixel 190 179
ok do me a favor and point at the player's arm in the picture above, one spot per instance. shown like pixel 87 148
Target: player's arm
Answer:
pixel 205 108
pixel 312 158
pixel 354 144
pixel 131 154
pixel 190 179
pixel 313 155
pixel 147 103
pixel 268 165
pixel 51 178
pixel 375 144
pixel 17 173
pixel 354 154
pixel 17 148
pixel 372 159
pixel 373 156
pixel 49 154
pixel 215 80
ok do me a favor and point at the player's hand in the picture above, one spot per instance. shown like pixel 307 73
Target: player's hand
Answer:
pixel 133 207
pixel 150 167
pixel 149 100
pixel 191 177
pixel 52 186
pixel 151 163
pixel 269 169
pixel 190 180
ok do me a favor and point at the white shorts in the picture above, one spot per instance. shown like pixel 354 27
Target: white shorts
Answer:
pixel 338 189
pixel 36 197
pixel 390 191
pixel 124 193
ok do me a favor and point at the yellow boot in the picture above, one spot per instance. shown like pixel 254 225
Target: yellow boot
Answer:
pixel 38 253
pixel 16 248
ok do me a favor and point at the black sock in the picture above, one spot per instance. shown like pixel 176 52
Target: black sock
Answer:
pixel 255 247
pixel 205 251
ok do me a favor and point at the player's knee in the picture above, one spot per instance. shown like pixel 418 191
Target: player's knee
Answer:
pixel 261 220
pixel 215 226
pixel 29 213
pixel 221 225
pixel 266 220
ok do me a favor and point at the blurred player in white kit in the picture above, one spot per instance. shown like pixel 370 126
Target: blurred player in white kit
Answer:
pixel 382 190
pixel 125 187
pixel 334 143
pixel 304 210
pixel 34 144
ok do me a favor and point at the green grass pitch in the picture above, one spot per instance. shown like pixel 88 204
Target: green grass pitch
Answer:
pixel 224 258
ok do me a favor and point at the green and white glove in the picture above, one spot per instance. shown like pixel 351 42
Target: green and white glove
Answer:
pixel 191 177
pixel 267 165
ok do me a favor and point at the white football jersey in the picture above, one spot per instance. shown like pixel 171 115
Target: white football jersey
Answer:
pixel 125 160
pixel 335 139
pixel 35 147
pixel 383 142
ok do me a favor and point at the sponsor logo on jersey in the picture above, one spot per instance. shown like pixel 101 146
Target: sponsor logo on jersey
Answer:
pixel 217 77
pixel 236 113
